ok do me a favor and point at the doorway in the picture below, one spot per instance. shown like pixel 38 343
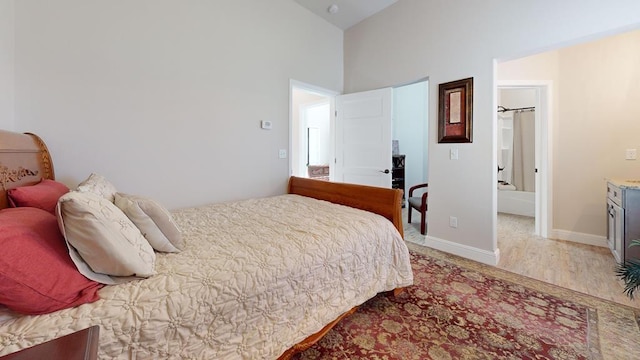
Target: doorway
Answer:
pixel 312 108
pixel 311 131
pixel 523 151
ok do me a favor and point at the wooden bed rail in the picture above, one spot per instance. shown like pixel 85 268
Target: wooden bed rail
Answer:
pixel 382 201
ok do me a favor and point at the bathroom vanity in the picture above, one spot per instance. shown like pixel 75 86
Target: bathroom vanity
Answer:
pixel 623 225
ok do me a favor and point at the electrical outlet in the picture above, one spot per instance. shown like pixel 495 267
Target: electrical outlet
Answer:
pixel 631 154
pixel 453 222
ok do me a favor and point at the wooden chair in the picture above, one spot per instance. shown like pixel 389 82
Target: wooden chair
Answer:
pixel 419 203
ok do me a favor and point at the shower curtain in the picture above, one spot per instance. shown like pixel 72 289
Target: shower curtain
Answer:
pixel 524 150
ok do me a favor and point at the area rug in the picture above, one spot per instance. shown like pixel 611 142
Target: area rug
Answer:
pixel 460 309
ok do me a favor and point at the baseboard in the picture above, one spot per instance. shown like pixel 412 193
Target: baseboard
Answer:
pixel 465 251
pixel 577 237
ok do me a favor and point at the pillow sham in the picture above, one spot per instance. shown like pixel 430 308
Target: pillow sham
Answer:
pixel 43 195
pixel 98 185
pixel 153 220
pixel 105 241
pixel 37 275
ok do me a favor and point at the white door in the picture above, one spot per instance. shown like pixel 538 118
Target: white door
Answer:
pixel 363 138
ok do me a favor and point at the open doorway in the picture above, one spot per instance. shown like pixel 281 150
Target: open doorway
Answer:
pixel 311 131
pixel 522 152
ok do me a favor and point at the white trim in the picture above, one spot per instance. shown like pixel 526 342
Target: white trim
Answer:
pixel 465 251
pixel 582 238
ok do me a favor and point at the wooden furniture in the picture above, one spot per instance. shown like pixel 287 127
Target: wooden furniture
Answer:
pixel 25 161
pixel 385 202
pixel 320 172
pixel 397 174
pixel 80 345
pixel 623 213
pixel 419 203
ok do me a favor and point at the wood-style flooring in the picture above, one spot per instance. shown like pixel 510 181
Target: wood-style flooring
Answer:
pixel 584 268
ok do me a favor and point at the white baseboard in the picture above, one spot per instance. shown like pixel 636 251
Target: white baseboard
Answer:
pixel 465 251
pixel 577 237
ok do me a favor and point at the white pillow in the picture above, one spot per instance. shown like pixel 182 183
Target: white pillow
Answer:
pixel 153 220
pixel 98 185
pixel 104 241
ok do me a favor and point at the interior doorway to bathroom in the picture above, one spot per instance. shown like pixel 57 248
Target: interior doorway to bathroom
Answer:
pixel 522 151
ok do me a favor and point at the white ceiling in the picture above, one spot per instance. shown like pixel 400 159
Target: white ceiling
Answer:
pixel 350 12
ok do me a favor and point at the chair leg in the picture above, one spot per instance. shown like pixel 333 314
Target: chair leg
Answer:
pixel 410 208
pixel 423 223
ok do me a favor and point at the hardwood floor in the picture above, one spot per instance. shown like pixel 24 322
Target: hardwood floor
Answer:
pixel 584 268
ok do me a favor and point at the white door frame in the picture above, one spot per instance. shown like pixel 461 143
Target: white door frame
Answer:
pixel 332 108
pixel 544 150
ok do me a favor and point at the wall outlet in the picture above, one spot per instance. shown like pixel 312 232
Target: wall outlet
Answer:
pixel 631 154
pixel 453 222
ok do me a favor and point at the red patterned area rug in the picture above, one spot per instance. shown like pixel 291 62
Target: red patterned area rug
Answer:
pixel 457 312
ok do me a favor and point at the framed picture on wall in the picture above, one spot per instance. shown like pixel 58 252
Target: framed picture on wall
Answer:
pixel 455 111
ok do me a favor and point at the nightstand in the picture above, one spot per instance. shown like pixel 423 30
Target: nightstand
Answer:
pixel 80 345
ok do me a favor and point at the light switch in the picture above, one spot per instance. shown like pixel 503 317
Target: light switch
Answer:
pixel 282 154
pixel 631 154
pixel 265 124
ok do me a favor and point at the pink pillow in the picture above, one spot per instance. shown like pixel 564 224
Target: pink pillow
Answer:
pixel 37 275
pixel 44 195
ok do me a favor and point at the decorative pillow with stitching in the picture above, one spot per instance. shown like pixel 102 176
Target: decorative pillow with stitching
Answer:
pixel 37 275
pixel 105 241
pixel 43 195
pixel 154 221
pixel 99 185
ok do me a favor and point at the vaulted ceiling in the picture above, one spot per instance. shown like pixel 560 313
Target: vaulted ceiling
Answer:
pixel 345 13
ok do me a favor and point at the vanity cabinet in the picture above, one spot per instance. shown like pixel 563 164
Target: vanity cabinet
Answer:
pixel 623 214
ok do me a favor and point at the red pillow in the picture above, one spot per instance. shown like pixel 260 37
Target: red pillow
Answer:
pixel 37 275
pixel 44 195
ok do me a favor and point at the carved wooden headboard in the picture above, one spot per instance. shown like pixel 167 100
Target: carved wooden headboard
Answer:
pixel 24 160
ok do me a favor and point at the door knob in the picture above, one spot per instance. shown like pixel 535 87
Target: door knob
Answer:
pixel 386 171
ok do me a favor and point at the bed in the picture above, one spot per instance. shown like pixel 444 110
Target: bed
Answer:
pixel 260 278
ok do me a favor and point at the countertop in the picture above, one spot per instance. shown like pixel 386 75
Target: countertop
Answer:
pixel 626 183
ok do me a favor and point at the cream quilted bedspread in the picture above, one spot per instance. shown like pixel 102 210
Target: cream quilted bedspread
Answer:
pixel 255 278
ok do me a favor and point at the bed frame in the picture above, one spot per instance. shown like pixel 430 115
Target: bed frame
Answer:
pixel 25 160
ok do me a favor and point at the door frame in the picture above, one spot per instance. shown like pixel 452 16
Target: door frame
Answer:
pixel 331 95
pixel 544 149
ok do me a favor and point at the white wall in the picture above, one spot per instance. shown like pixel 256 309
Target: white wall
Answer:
pixel 410 129
pixel 6 64
pixel 165 98
pixel 451 40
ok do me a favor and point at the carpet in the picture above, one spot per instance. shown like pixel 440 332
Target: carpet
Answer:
pixel 460 309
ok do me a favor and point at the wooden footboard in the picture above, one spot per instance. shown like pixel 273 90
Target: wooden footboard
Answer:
pixel 385 202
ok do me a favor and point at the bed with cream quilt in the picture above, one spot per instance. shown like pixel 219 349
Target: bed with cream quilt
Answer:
pixel 255 278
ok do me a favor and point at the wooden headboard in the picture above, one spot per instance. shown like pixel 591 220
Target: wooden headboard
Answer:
pixel 24 160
